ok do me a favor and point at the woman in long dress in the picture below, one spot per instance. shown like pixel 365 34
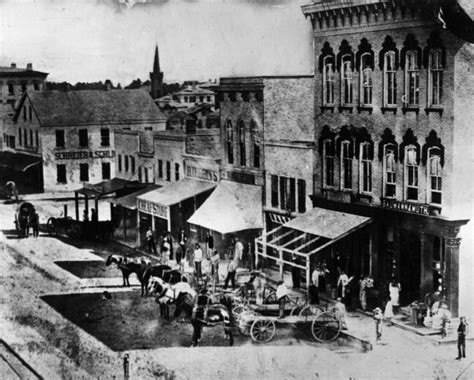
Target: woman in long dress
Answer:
pixel 394 290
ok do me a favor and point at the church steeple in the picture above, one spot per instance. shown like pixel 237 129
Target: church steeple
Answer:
pixel 156 77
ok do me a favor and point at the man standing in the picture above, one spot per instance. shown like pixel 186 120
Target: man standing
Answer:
pixel 340 311
pixel 209 244
pixel 198 260
pixel 378 317
pixel 463 330
pixel 35 225
pixel 295 272
pixel 182 239
pixel 231 269
pixel 150 238
pixel 238 252
pixel 281 294
pixel 314 289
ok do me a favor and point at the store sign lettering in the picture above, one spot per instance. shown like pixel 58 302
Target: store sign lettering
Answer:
pixel 152 208
pixel 84 154
pixel 200 173
pixel 405 206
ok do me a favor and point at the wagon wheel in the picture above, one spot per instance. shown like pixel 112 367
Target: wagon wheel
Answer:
pixel 326 327
pixel 238 310
pixel 52 226
pixel 73 231
pixel 245 322
pixel 271 298
pixel 310 310
pixel 262 330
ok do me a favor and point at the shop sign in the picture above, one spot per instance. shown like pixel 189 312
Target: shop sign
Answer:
pixel 152 208
pixel 405 206
pixel 201 173
pixel 84 154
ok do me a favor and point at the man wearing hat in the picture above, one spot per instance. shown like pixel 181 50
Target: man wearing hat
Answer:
pixel 463 330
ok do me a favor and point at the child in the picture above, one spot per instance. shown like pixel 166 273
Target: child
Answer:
pixel 388 313
pixel 378 317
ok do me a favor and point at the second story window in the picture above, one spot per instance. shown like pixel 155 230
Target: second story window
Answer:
pixel 411 174
pixel 23 87
pixel 412 79
pixel 104 137
pixel 119 162
pixel 59 138
pixel 84 172
pixel 230 142
pixel 83 138
pixel 389 80
pixel 301 196
pixel 366 80
pixel 365 168
pixel 126 163
pixel 346 165
pixel 132 164
pixel 346 81
pixel 274 191
pixel 389 172
pixel 435 79
pixel 168 171
pixel 242 150
pixel 160 168
pixel 328 81
pixel 256 145
pixel 176 172
pixel 434 177
pixel 328 162
pixel 11 89
pixel 105 170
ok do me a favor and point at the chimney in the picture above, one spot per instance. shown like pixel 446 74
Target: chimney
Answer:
pixel 29 66
pixel 13 65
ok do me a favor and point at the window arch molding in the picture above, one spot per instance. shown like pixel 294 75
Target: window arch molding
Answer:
pixel 326 134
pixel 229 130
pixel 363 136
pixel 241 135
pixel 409 139
pixel 365 48
pixel 389 46
pixel 327 56
pixel 345 50
pixel 432 141
pixel 346 134
pixel 434 42
pixel 388 138
pixel 411 44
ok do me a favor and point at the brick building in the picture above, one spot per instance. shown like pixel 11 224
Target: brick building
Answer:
pixel 393 106
pixel 73 132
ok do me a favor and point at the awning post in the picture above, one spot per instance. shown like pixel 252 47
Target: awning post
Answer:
pixel 280 253
pixel 308 274
pixel 76 202
pixel 139 238
pixel 96 204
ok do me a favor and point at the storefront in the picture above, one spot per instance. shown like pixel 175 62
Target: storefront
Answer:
pixel 168 208
pixel 232 210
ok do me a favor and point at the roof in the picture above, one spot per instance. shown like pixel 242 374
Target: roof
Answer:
pixel 94 107
pixel 230 208
pixel 105 187
pixel 8 71
pixel 130 201
pixel 176 192
pixel 18 161
pixel 194 91
pixel 327 223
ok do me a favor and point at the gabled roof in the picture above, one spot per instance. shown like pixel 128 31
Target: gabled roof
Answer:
pixel 93 107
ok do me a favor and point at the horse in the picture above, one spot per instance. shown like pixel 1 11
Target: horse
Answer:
pixel 206 313
pixel 164 272
pixel 167 293
pixel 129 267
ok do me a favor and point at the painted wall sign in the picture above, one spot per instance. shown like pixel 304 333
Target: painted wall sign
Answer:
pixel 84 154
pixel 201 173
pixel 405 206
pixel 152 208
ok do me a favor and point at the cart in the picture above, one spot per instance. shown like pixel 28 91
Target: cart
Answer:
pixel 325 326
pixel 76 229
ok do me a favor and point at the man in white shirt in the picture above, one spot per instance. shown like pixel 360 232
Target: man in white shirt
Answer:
pixel 238 252
pixel 314 290
pixel 198 260
pixel 281 294
pixel 231 270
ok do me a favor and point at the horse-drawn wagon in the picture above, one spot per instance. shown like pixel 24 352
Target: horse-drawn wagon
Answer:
pixel 77 229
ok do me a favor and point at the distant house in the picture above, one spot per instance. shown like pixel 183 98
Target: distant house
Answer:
pixel 193 94
pixel 73 132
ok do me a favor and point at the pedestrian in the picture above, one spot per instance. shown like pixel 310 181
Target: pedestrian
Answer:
pixel 394 289
pixel 342 286
pixel 445 316
pixel 463 330
pixel 198 260
pixel 165 253
pixel 363 292
pixel 378 317
pixel 388 312
pixel 281 295
pixel 314 288
pixel 168 239
pixel 215 260
pixel 209 245
pixel 238 252
pixel 340 311
pixel 182 239
pixel 85 215
pixel 231 270
pixel 35 225
pixel 150 238
pixel 322 276
pixel 295 272
pixel 179 258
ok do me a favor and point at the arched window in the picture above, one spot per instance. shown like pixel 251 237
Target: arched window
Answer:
pixel 389 168
pixel 230 142
pixel 346 165
pixel 328 81
pixel 242 152
pixel 346 80
pixel 390 79
pixel 412 79
pixel 256 145
pixel 411 173
pixel 365 168
pixel 328 163
pixel 434 176
pixel 435 77
pixel 366 79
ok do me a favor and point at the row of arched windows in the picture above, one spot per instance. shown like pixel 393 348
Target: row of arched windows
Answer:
pixel 243 145
pixel 410 59
pixel 352 150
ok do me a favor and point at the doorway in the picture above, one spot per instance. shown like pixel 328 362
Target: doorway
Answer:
pixel 410 266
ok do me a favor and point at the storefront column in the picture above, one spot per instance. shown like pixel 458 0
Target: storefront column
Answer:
pixel 124 220
pixel 308 275
pixel 86 205
pixel 139 237
pixel 426 275
pixel 76 202
pixel 96 205
pixel 169 217
pixel 451 280
pixel 280 255
pixel 153 224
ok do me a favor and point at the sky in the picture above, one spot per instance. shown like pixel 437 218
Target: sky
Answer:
pixel 92 40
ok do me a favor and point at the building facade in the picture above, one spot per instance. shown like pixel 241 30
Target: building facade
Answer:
pixel 15 81
pixel 393 140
